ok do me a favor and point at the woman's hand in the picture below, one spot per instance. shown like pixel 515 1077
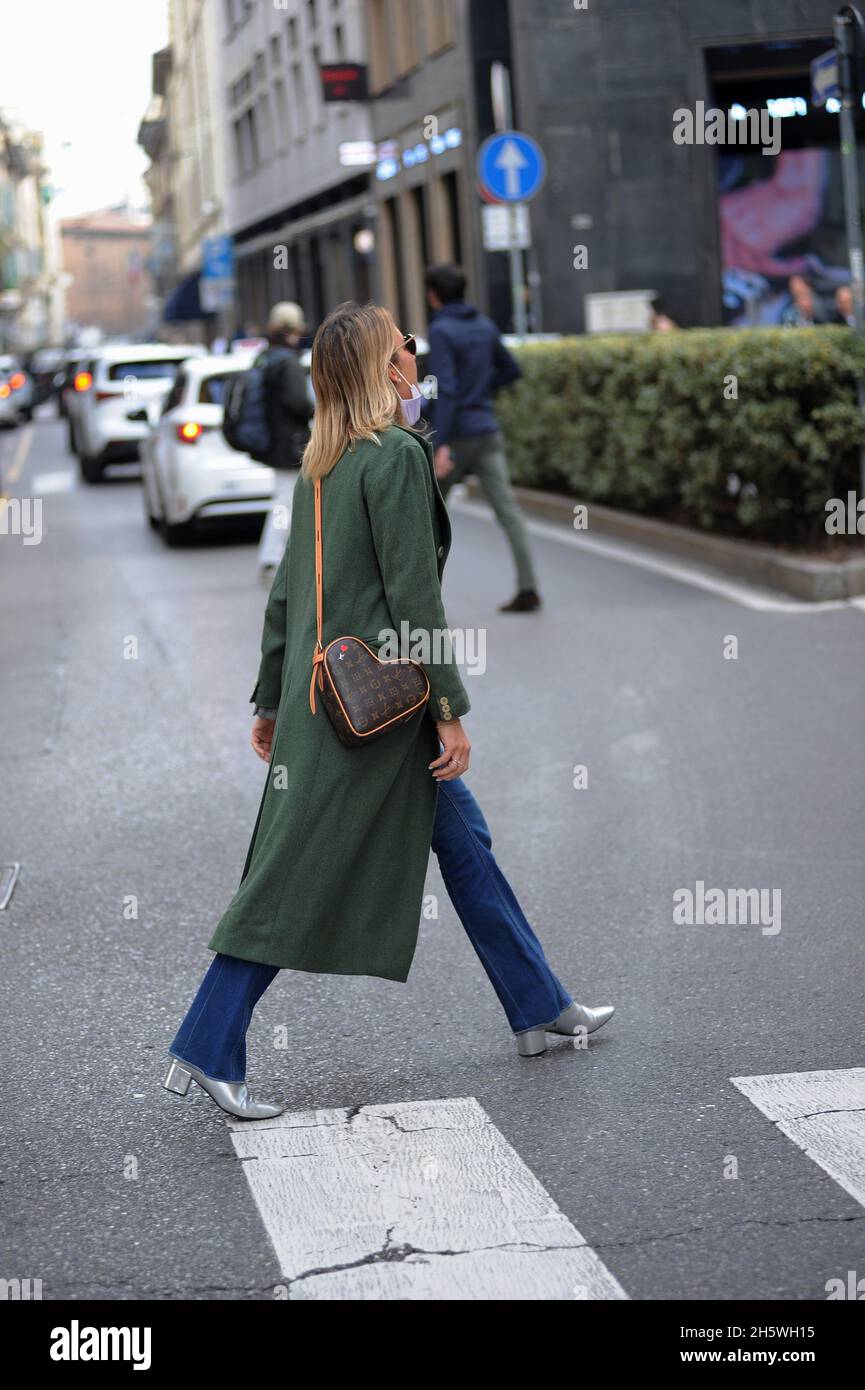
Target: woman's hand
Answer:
pixel 262 736
pixel 454 761
pixel 443 461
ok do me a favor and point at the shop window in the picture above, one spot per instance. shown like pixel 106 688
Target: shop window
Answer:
pixel 452 198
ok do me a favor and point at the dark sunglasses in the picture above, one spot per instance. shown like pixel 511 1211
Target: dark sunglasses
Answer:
pixel 409 342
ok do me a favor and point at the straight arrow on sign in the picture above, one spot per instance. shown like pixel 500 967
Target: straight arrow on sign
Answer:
pixel 511 160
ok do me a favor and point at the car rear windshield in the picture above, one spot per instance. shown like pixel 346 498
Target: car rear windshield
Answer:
pixel 212 390
pixel 153 370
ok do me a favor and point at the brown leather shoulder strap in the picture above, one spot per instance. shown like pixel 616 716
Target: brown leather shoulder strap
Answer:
pixel 318 650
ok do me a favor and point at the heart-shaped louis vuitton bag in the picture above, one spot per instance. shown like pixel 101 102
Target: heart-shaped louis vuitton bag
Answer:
pixel 364 696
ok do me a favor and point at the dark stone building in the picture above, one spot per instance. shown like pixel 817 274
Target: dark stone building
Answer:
pixel 716 231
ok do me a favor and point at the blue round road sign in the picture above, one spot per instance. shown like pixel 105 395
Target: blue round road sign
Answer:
pixel 511 166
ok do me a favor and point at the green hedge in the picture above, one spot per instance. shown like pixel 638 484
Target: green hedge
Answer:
pixel 641 423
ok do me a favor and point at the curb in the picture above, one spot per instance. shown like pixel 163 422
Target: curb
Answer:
pixel 815 581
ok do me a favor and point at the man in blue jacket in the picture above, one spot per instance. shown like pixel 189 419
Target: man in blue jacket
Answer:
pixel 470 363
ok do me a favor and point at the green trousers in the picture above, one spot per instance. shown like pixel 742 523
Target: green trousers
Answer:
pixel 484 456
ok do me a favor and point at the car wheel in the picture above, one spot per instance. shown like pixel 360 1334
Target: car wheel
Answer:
pixel 27 414
pixel 148 505
pixel 175 533
pixel 91 468
pixel 72 441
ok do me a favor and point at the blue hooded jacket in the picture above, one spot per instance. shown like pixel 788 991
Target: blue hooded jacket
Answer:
pixel 470 363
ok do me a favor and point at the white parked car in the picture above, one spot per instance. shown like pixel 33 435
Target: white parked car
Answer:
pixel 17 395
pixel 116 396
pixel 188 470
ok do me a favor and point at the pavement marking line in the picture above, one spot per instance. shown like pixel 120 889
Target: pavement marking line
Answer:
pixel 19 458
pixel 761 600
pixel 52 482
pixel 411 1200
pixel 821 1111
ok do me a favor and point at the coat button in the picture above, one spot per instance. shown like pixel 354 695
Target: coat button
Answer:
pixel 441 551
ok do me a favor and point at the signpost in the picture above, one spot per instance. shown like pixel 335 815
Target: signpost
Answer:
pixel 216 284
pixel 511 166
pixel 511 170
pixel 506 228
pixel 343 81
pixel 824 78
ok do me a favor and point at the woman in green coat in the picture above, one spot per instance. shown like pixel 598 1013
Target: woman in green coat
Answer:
pixel 334 876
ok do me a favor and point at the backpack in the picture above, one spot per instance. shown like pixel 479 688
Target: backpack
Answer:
pixel 245 417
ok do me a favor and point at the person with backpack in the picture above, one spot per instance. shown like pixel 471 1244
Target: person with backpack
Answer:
pixel 470 364
pixel 267 411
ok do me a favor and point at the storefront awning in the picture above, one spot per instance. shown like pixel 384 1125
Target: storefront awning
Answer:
pixel 184 302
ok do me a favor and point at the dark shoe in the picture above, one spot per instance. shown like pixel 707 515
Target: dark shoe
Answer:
pixel 526 601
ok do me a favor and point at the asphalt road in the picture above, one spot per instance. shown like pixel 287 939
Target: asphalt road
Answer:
pixel 132 778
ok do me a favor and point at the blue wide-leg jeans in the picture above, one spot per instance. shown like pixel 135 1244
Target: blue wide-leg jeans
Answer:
pixel 212 1036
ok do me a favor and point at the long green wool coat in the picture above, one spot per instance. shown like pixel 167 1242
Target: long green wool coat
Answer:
pixel 334 876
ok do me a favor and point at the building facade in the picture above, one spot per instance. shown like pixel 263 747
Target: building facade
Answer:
pixel 716 231
pixel 155 139
pixel 300 214
pixel 30 281
pixel 431 107
pixel 196 133
pixel 105 255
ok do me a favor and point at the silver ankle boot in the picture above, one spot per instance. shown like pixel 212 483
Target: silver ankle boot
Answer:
pixel 230 1096
pixel 570 1022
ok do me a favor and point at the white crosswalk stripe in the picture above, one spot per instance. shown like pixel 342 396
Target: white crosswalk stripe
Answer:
pixel 821 1111
pixel 411 1200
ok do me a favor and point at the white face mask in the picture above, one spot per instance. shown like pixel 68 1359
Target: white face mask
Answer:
pixel 411 408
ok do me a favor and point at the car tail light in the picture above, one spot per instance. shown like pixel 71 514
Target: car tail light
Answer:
pixel 189 432
pixel 105 395
pixel 83 381
pixel 17 380
pixel 5 392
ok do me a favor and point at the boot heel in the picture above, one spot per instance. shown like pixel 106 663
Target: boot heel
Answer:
pixel 533 1043
pixel 177 1079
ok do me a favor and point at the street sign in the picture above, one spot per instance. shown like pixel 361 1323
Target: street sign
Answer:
pixel 825 84
pixel 216 283
pixel 511 166
pixel 343 81
pixel 506 227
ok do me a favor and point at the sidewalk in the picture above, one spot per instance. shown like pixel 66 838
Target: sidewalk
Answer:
pixel 804 578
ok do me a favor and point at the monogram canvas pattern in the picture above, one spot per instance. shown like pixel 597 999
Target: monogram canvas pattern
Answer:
pixel 364 696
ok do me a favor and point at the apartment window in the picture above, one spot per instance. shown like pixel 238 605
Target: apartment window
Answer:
pixel 265 128
pixel 316 70
pixel 310 13
pixel 280 102
pixel 245 145
pixel 300 107
pixel 292 33
pixel 339 43
pixel 274 51
pixel 441 28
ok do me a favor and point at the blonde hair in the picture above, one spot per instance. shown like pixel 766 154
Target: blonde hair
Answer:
pixel 354 397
